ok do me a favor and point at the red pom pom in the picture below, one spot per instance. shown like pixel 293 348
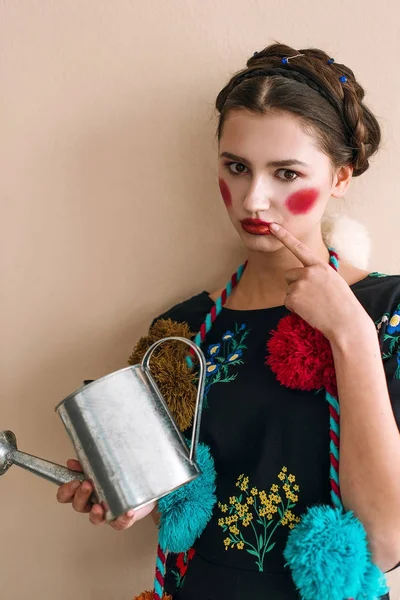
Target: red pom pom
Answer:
pixel 301 357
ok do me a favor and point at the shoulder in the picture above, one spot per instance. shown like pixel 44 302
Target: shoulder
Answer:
pixel 379 294
pixel 191 311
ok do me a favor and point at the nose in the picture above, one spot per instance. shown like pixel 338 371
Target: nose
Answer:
pixel 258 196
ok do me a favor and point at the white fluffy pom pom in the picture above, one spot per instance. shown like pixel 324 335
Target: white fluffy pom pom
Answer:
pixel 349 238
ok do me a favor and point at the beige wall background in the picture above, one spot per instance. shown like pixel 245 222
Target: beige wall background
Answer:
pixel 110 213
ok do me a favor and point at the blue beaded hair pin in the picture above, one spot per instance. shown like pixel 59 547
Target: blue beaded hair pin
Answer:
pixel 286 59
pixel 342 78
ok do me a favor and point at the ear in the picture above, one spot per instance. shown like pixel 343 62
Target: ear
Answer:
pixel 341 181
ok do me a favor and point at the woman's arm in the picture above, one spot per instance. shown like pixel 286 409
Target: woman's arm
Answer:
pixel 369 440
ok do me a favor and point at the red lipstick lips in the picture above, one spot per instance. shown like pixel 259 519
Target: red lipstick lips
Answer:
pixel 256 226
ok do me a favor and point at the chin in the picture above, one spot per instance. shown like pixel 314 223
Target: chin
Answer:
pixel 260 243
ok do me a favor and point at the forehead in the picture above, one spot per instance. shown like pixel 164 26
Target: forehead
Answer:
pixel 274 135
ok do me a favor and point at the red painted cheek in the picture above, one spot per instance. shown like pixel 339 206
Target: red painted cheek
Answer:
pixel 225 193
pixel 301 202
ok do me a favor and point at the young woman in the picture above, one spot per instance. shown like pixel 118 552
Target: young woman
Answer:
pixel 293 130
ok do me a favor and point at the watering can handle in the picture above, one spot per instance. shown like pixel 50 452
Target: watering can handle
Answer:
pixel 200 388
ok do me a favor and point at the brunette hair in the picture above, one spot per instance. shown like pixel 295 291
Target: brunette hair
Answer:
pixel 309 87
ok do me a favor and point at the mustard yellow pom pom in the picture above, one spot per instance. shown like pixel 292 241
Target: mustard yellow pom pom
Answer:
pixel 177 383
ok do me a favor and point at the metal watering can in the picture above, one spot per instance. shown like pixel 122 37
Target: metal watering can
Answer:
pixel 124 436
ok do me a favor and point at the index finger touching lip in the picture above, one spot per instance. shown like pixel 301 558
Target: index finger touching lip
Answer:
pixel 300 250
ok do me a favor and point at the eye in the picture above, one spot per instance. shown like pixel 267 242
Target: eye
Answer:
pixel 288 175
pixel 239 166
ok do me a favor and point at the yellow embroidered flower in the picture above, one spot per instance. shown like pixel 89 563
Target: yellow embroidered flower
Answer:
pixel 224 508
pixel 395 320
pixel 296 488
pixel 240 476
pixel 233 357
pixel 245 484
pixel 234 518
pixel 211 368
pixel 250 500
pixel 295 497
pixel 286 487
pixel 227 543
pixel 240 545
pixel 246 522
pixel 284 469
pixel 292 478
pixel 254 491
pixel 262 512
pixel 221 522
pixel 269 516
pixel 291 525
pixel 241 510
pixel 297 519
pixel 232 500
pixel 289 515
pixel 274 488
pixel 281 476
pixel 274 509
pixel 275 498
pixel 284 521
pixel 234 530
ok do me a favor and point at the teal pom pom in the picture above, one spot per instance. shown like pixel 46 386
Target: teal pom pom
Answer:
pixel 374 580
pixel 329 557
pixel 186 511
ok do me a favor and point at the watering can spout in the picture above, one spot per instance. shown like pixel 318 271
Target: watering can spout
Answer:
pixel 10 455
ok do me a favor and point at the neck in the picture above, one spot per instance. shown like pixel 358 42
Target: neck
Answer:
pixel 263 282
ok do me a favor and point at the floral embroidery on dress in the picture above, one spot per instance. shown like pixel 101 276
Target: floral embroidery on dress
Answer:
pixel 253 517
pixel 221 357
pixel 182 562
pixel 388 327
pixel 377 274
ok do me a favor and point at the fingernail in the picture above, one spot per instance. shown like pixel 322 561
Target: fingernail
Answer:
pixel 131 513
pixel 274 227
pixel 75 484
pixel 86 486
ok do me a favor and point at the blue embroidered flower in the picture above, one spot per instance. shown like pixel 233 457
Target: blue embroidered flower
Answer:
pixel 394 323
pixel 234 356
pixel 243 326
pixel 214 349
pixel 212 367
pixel 227 336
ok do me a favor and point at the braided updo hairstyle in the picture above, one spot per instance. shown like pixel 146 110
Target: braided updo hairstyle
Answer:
pixel 309 87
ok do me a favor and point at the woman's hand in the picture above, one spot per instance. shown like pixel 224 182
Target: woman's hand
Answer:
pixel 318 294
pixel 78 495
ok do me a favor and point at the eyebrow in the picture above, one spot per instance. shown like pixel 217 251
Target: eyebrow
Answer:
pixel 273 163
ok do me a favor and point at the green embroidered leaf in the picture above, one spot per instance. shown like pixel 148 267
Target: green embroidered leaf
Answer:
pixel 253 552
pixel 393 343
pixel 261 541
pixel 270 547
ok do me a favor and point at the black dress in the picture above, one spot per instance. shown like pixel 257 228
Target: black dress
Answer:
pixel 270 445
